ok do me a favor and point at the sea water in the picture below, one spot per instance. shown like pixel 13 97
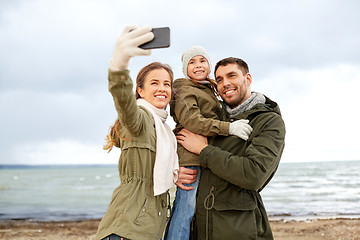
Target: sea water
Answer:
pixel 314 189
pixel 52 193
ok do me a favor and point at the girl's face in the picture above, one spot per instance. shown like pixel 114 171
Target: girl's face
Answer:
pixel 198 68
pixel 157 88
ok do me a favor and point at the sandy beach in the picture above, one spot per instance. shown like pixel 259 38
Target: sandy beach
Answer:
pixel 337 229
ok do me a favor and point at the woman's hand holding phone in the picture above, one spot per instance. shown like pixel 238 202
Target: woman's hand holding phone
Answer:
pixel 127 46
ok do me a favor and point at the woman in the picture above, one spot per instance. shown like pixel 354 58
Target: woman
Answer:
pixel 148 163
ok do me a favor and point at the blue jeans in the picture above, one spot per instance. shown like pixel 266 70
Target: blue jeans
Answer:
pixel 183 211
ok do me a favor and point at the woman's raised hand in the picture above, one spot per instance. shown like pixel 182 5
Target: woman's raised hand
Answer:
pixel 127 46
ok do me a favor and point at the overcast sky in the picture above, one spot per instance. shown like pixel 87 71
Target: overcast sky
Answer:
pixel 55 107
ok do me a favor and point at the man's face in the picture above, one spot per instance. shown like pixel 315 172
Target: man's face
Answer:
pixel 232 85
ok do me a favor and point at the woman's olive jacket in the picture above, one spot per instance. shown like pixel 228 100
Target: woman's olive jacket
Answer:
pixel 134 212
pixel 229 205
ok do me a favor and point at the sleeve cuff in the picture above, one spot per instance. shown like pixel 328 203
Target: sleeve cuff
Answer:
pixel 203 156
pixel 224 128
pixel 115 75
pixel 118 80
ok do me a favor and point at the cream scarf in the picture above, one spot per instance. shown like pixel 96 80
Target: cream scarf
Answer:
pixel 166 166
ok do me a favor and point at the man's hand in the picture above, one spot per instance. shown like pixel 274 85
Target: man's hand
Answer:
pixel 191 141
pixel 186 175
pixel 127 46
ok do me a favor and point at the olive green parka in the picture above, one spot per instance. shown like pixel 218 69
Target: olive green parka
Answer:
pixel 196 108
pixel 229 205
pixel 134 212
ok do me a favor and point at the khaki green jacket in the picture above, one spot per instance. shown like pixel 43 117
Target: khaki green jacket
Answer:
pixel 234 172
pixel 196 108
pixel 134 212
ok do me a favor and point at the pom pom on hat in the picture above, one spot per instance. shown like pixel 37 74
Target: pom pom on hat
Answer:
pixel 192 52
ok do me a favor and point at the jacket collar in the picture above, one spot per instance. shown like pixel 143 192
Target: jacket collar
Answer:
pixel 269 106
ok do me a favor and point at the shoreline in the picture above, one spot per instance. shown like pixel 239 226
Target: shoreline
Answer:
pixel 289 218
pixel 311 229
pixel 272 218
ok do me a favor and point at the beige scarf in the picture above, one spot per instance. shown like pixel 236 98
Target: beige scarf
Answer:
pixel 166 166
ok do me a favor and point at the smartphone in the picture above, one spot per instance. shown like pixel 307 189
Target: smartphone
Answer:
pixel 161 39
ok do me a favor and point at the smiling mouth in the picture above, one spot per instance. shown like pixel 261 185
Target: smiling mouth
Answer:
pixel 161 96
pixel 229 92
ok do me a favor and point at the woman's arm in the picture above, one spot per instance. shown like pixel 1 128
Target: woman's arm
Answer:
pixel 121 88
pixel 120 83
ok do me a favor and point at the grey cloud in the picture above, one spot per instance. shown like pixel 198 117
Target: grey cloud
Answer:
pixel 53 65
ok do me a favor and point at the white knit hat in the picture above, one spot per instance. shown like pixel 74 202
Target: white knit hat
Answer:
pixel 192 52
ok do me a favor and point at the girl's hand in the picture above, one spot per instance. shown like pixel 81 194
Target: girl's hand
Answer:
pixel 240 128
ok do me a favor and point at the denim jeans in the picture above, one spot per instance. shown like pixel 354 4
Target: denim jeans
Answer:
pixel 183 211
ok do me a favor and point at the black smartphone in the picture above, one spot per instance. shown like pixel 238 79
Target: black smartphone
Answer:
pixel 161 39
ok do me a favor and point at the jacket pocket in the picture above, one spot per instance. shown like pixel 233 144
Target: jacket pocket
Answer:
pixel 235 220
pixel 151 216
pixel 144 210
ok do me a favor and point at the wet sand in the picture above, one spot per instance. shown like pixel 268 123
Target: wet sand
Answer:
pixel 337 229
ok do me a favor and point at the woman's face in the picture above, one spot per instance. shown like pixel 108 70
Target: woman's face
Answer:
pixel 157 88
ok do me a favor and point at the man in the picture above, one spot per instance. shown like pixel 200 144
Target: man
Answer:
pixel 229 205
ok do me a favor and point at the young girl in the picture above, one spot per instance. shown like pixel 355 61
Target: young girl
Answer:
pixel 197 109
pixel 148 162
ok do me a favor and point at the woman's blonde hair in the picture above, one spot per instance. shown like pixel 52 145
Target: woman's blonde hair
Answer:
pixel 114 132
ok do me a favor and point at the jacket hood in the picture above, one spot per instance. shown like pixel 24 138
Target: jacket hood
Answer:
pixel 273 106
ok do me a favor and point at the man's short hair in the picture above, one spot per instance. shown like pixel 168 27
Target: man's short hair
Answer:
pixel 230 60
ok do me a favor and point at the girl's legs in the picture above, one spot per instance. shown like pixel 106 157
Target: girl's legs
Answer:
pixel 183 211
